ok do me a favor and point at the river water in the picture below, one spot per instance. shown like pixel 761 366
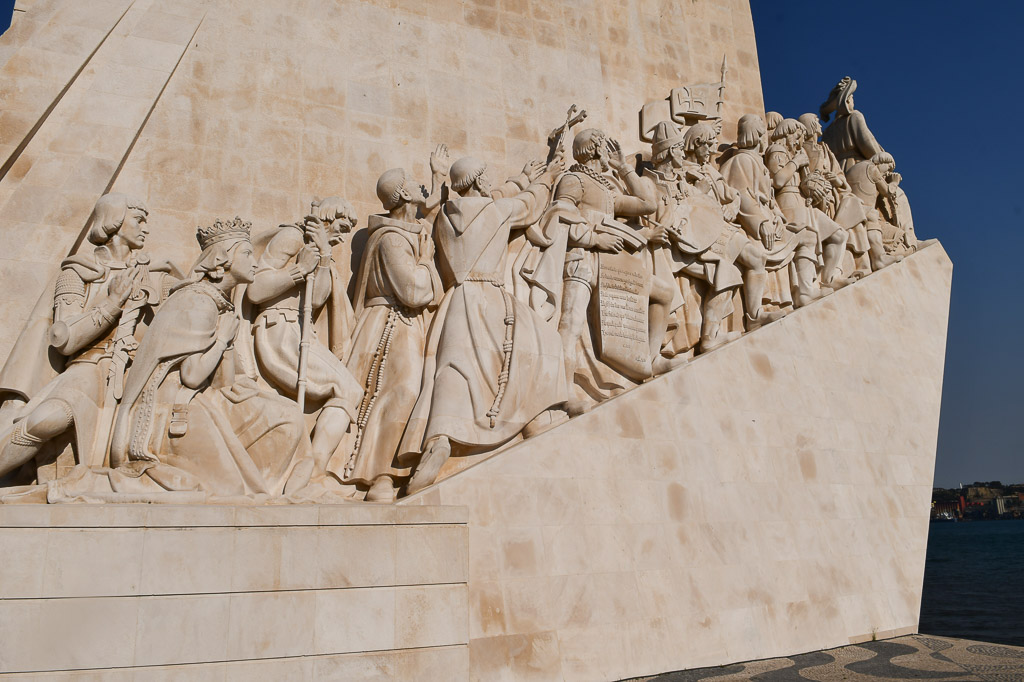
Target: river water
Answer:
pixel 974 581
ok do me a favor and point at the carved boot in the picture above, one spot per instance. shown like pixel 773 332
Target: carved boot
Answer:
pixel 434 456
pixel 831 275
pixel 753 292
pixel 879 258
pixel 807 290
pixel 383 490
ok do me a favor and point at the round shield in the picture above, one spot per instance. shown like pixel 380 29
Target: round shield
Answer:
pixel 699 221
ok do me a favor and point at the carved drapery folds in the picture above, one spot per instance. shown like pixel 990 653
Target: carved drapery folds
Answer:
pixel 483 312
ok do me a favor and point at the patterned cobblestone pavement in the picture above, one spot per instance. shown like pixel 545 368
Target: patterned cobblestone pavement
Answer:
pixel 914 657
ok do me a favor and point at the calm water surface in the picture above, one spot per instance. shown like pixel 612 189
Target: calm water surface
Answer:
pixel 974 581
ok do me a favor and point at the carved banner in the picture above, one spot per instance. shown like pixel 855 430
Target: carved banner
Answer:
pixel 623 287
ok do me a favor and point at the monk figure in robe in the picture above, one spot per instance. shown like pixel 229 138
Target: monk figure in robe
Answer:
pixel 396 287
pixel 493 365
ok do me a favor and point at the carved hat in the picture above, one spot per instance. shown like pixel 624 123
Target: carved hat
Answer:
pixel 837 98
pixel 666 135
pixel 389 187
pixel 108 215
pixel 465 171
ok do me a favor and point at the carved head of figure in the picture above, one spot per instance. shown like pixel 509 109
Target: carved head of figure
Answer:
pixel 227 256
pixel 700 142
pixel 470 174
pixel 393 190
pixel 840 99
pixel 812 125
pixel 667 145
pixel 772 119
pixel 791 133
pixel 337 215
pixel 590 148
pixel 117 216
pixel 750 131
pixel 884 162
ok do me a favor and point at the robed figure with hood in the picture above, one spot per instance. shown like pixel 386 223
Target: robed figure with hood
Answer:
pixel 492 364
pixel 396 288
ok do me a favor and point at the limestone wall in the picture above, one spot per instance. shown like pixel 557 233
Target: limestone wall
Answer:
pixel 771 498
pixel 212 108
pixel 147 592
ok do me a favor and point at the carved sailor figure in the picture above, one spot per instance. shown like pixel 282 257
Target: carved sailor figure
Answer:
pixel 296 254
pixel 92 319
pixel 848 136
pixel 762 220
pixel 396 284
pixel 594 362
pixel 492 364
pixel 838 202
pixel 695 204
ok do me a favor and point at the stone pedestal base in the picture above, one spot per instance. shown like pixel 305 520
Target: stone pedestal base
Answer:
pixel 155 592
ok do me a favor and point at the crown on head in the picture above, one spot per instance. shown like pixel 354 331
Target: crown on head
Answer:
pixel 222 231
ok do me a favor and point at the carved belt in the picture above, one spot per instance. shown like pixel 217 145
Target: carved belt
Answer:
pixel 506 346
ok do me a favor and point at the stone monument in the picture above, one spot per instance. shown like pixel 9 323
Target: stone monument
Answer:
pixel 665 397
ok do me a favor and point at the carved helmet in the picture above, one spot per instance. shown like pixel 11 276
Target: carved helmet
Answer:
pixel 666 135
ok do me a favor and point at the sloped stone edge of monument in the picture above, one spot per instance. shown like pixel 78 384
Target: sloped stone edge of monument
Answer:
pixel 769 498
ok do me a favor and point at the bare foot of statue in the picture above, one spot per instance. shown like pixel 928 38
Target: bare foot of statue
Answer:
pixel 434 457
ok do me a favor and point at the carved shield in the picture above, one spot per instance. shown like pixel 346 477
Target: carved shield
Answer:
pixel 698 220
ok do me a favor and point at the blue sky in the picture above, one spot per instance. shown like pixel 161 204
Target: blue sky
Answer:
pixel 939 83
pixel 6 7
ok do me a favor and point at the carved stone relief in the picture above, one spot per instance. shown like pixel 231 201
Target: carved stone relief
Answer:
pixel 481 313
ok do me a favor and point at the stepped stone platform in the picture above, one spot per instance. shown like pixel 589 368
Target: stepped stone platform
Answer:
pixel 770 498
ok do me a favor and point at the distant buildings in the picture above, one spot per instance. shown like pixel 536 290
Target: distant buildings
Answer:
pixel 991 500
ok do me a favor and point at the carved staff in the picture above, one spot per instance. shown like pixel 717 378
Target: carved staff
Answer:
pixel 305 338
